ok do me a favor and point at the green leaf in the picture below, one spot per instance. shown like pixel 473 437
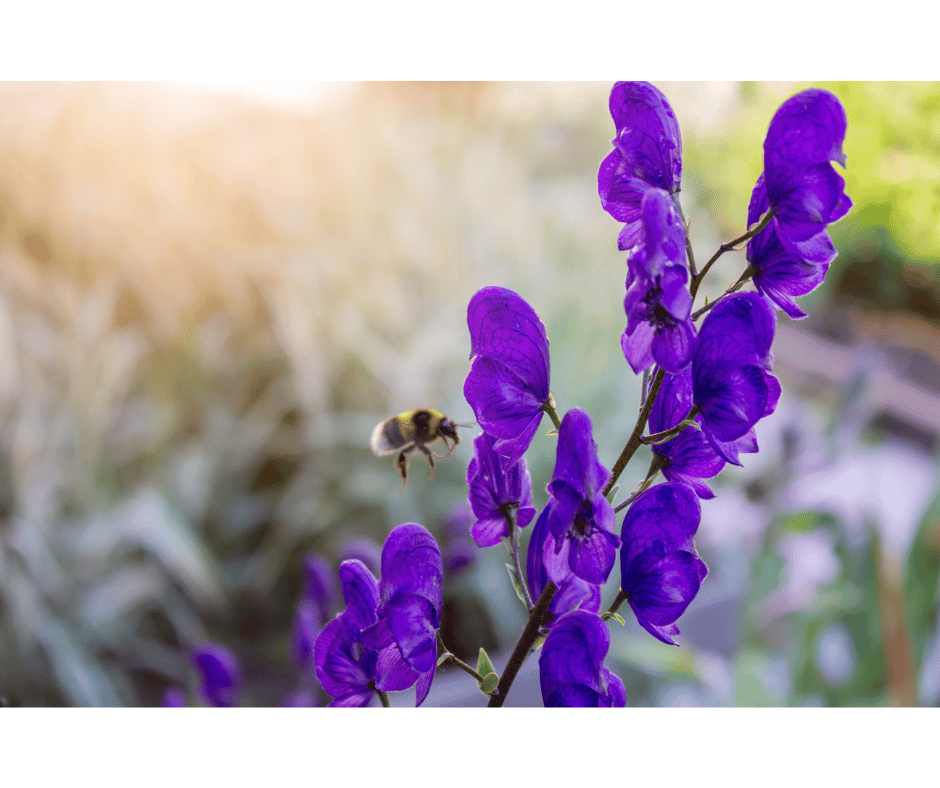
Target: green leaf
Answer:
pixel 489 682
pixel 612 495
pixel 484 666
pixel 443 658
pixel 517 586
pixel 617 617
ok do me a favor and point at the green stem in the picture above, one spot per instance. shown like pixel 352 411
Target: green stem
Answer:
pixel 549 408
pixel 659 437
pixel 521 651
pixel 748 273
pixel 727 247
pixel 658 463
pixel 615 605
pixel 383 696
pixel 509 512
pixel 634 442
pixel 454 660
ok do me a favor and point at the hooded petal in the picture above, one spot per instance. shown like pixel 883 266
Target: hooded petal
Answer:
pixel 738 331
pixel 573 654
pixel 733 403
pixel 808 128
pixel 576 462
pixel 504 406
pixel 338 669
pixel 664 592
pixel 667 515
pixel 413 623
pixel 673 347
pixel 411 564
pixel 504 328
pixel 361 592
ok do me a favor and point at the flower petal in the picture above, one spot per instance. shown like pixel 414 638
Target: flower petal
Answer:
pixel 411 564
pixel 361 592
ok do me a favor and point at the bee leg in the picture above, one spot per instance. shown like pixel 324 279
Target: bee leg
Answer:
pixel 430 455
pixel 402 464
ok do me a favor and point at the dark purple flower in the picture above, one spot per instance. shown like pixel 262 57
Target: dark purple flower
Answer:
pixel 658 303
pixel 458 551
pixel 509 381
pixel 571 666
pixel 307 623
pixel 355 654
pixel 781 275
pixel 647 154
pixel 174 698
pixel 220 676
pixel 320 584
pixel 364 549
pixel 497 488
pixel 688 456
pixel 660 572
pixel 541 556
pixel 806 192
pixel 581 519
pixel 731 382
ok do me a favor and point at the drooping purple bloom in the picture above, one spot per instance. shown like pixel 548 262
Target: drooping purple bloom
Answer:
pixel 541 557
pixel 658 303
pixel 660 571
pixel 731 382
pixel 497 488
pixel 782 275
pixel 174 698
pixel 805 191
pixel 220 676
pixel 509 381
pixel 571 666
pixel 647 154
pixel 320 584
pixel 688 457
pixel 358 652
pixel 581 519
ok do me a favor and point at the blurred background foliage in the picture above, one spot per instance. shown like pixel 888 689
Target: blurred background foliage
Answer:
pixel 207 302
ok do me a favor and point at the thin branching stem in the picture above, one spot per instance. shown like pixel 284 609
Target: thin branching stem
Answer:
pixel 727 247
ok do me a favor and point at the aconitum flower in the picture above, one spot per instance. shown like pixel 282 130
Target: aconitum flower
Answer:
pixel 220 677
pixel 458 550
pixel 581 519
pixel 307 623
pixel 660 572
pixel 731 382
pixel 647 154
pixel 385 639
pixel 805 191
pixel 781 275
pixel 174 698
pixel 508 384
pixel 497 488
pixel 320 584
pixel 658 303
pixel 572 592
pixel 571 666
pixel 688 457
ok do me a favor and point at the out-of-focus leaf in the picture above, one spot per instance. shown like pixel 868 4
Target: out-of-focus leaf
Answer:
pixel 760 681
pixel 921 575
pixel 651 656
pixel 120 592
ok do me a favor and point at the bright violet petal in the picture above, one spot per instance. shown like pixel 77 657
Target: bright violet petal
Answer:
pixel 735 403
pixel 487 533
pixel 393 674
pixel 574 651
pixel 361 592
pixel 337 669
pixel 219 672
pixel 411 564
pixel 667 514
pixel 673 348
pixel 411 621
pixel 808 128
pixel 593 557
pixel 571 696
pixel 667 588
pixel 356 699
pixel 576 461
pixel 504 328
pixel 423 687
pixel 616 693
pixel 638 347
pixel 739 330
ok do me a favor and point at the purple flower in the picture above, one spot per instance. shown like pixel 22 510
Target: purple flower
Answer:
pixel 320 584
pixel 688 456
pixel 658 303
pixel 385 639
pixel 647 153
pixel 458 551
pixel 497 488
pixel 174 698
pixel 509 381
pixel 300 698
pixel 571 666
pixel 220 676
pixel 306 625
pixel 805 191
pixel 731 383
pixel 581 519
pixel 543 563
pixel 781 274
pixel 660 572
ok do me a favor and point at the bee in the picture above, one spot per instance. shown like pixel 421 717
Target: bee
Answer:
pixel 413 429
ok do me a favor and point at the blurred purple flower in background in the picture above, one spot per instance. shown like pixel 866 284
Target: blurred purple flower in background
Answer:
pixel 571 666
pixel 496 488
pixel 581 519
pixel 660 571
pixel 174 697
pixel 647 154
pixel 320 584
pixel 220 677
pixel 509 381
pixel 364 549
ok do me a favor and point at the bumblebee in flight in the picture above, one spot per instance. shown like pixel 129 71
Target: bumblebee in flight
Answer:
pixel 413 429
